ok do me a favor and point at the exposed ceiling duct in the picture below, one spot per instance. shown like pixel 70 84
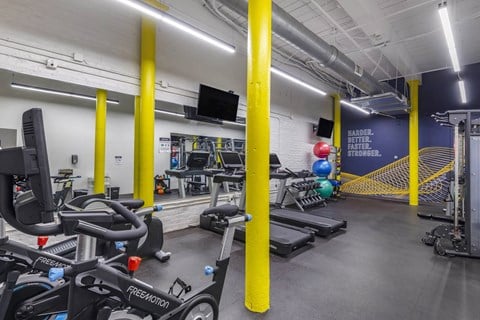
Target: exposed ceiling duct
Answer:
pixel 290 29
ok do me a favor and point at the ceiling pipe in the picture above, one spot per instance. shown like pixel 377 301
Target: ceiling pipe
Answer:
pixel 290 29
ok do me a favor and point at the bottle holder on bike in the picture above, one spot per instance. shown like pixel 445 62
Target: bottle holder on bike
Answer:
pixel 184 288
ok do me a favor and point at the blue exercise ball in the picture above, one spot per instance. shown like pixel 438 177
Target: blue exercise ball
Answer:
pixel 321 168
pixel 173 163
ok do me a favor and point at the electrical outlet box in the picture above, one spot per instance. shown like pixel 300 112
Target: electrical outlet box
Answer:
pixel 74 158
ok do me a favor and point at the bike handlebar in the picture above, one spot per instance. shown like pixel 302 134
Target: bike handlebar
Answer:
pixel 139 228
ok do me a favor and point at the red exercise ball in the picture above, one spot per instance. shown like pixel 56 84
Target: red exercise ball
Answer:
pixel 321 149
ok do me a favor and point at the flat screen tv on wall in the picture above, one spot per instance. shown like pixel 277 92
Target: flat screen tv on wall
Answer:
pixel 218 104
pixel 325 128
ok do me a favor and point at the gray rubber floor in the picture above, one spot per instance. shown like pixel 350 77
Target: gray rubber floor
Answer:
pixel 378 269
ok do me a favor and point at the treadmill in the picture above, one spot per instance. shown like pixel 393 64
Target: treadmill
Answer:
pixel 196 163
pixel 284 239
pixel 322 226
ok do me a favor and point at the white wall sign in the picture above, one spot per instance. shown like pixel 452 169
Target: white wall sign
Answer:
pixel 359 143
pixel 163 145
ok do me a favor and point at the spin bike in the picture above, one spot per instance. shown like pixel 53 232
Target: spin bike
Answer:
pixel 148 246
pixel 98 290
pixel 24 270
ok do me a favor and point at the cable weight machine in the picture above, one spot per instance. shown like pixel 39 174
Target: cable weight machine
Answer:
pixel 458 240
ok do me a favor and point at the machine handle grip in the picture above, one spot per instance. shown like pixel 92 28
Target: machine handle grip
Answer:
pixel 138 231
pixel 239 219
pixel 132 204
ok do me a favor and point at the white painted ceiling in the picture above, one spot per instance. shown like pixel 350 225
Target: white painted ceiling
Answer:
pixel 388 38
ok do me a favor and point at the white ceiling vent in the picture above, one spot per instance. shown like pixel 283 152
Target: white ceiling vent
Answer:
pixel 386 103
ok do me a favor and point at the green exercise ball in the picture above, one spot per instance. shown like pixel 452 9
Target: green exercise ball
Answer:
pixel 326 188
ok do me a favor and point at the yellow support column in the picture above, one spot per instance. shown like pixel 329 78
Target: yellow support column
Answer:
pixel 413 141
pixel 195 143
pixel 146 115
pixel 136 153
pixel 257 260
pixel 337 125
pixel 218 147
pixel 100 134
pixel 337 121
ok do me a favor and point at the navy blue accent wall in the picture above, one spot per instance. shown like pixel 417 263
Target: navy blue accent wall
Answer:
pixel 370 142
pixel 438 92
pixel 431 134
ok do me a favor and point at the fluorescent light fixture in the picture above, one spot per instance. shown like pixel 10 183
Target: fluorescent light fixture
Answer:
pixel 447 30
pixel 344 102
pixel 463 94
pixel 154 13
pixel 235 123
pixel 59 93
pixel 297 81
pixel 198 34
pixel 170 113
pixel 182 116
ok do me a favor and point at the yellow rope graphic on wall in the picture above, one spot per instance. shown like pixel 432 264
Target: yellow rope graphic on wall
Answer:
pixel 392 179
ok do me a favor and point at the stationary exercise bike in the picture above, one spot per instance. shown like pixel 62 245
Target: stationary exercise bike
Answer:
pixel 96 289
pixel 100 290
pixel 16 259
pixel 148 246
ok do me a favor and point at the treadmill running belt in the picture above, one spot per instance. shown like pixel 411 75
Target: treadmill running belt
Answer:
pixel 283 239
pixel 322 226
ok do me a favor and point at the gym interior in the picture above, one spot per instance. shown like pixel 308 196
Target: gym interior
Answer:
pixel 233 159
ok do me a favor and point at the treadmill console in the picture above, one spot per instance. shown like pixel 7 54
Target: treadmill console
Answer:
pixel 198 160
pixel 230 160
pixel 274 162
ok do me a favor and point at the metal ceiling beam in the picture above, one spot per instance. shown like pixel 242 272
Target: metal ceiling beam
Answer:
pixel 367 14
pixel 290 29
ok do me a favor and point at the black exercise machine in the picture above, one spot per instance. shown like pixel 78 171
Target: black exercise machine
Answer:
pixel 322 226
pixel 197 178
pixel 284 239
pixel 448 213
pixel 95 289
pixel 462 239
pixel 64 181
pixel 149 246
